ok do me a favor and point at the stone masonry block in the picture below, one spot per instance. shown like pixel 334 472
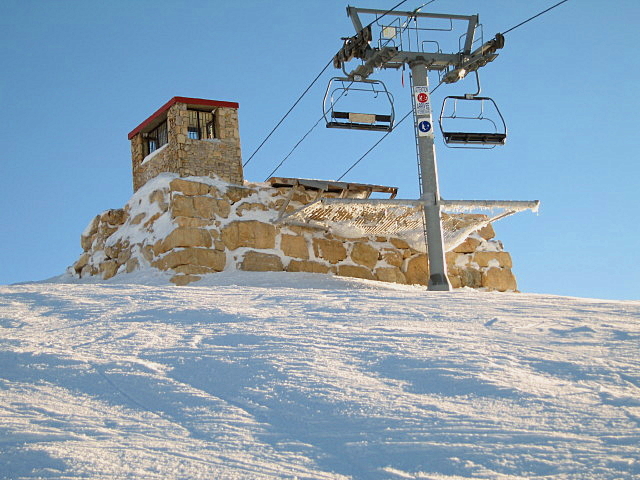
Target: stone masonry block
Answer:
pixel 392 257
pixel 493 259
pixel 468 246
pixel 188 188
pixel 390 274
pixel 182 280
pixel 182 206
pixel 331 250
pixel 417 270
pixel 501 279
pixel 261 262
pixel 487 232
pixel 355 272
pixel 294 246
pixel 186 237
pixel 192 256
pixel 252 233
pixel 364 254
pixel 307 266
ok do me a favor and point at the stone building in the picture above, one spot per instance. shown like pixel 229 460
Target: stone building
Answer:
pixel 190 137
pixel 192 214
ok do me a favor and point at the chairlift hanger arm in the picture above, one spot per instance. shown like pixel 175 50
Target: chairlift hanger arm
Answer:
pixel 356 46
pixel 478 58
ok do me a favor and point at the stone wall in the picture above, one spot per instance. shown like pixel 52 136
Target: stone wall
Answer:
pixel 191 228
pixel 188 157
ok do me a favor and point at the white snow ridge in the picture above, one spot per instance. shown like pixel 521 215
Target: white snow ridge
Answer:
pixel 304 376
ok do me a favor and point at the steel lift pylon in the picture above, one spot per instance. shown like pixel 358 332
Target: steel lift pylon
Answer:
pixel 451 66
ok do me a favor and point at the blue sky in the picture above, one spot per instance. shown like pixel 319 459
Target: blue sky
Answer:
pixel 77 76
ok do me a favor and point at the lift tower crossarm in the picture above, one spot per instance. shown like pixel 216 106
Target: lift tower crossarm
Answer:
pixel 473 20
pixel 353 15
pixel 354 11
pixel 463 62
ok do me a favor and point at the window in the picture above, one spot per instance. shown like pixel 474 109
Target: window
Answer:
pixel 157 137
pixel 194 133
pixel 210 129
pixel 201 125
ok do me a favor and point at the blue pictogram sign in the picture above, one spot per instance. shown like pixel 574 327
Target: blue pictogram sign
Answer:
pixel 424 126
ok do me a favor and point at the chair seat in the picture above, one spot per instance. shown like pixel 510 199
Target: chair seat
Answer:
pixel 347 115
pixel 352 123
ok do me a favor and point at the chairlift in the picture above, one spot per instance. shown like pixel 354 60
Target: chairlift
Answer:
pixel 358 95
pixel 472 121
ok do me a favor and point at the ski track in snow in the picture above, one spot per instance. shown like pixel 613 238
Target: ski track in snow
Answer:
pixel 311 377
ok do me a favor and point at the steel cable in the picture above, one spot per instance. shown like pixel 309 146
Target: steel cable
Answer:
pixel 535 16
pixel 305 92
pixel 382 138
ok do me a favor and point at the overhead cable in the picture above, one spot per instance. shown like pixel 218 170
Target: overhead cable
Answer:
pixel 306 90
pixel 388 11
pixel 289 111
pixel 535 16
pixel 374 146
pixel 294 147
pixel 403 118
pixel 381 138
pixel 303 94
pixel 303 137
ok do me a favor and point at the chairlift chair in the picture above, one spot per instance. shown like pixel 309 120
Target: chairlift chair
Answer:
pixel 488 128
pixel 373 92
pixel 481 127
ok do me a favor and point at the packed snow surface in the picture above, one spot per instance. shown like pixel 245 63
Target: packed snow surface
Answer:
pixel 260 376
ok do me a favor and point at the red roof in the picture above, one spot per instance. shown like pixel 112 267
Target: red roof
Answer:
pixel 188 101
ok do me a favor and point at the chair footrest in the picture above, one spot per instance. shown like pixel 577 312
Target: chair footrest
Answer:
pixel 360 126
pixel 475 138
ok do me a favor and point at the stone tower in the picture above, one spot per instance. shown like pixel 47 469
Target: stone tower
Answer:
pixel 190 137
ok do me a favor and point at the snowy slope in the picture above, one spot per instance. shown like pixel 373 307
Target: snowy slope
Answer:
pixel 256 376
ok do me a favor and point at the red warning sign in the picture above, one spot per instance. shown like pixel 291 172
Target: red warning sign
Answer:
pixel 421 96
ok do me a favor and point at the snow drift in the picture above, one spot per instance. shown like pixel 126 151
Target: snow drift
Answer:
pixel 276 375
